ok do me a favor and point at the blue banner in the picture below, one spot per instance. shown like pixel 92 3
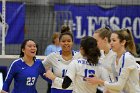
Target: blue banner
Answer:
pixel 87 18
pixel 15 20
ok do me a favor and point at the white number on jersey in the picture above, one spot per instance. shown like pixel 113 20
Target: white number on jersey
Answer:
pixel 64 71
pixel 30 81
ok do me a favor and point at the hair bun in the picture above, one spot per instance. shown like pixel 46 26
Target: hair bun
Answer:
pixel 65 29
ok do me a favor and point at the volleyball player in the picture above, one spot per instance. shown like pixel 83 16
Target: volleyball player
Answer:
pixel 85 67
pixel 125 68
pixel 25 70
pixel 59 61
pixel 55 46
pixel 102 35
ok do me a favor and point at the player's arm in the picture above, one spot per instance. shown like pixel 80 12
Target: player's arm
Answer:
pixel 57 81
pixel 121 79
pixel 114 86
pixel 130 65
pixel 10 74
pixel 2 91
pixel 104 76
pixel 42 71
pixel 60 81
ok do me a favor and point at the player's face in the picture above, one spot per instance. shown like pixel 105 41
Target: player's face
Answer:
pixel 115 43
pixel 66 43
pixel 100 41
pixel 30 49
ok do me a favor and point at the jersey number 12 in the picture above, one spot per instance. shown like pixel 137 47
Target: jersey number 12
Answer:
pixel 89 73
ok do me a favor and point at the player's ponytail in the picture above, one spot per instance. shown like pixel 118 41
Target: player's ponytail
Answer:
pixel 130 45
pixel 125 34
pixel 91 51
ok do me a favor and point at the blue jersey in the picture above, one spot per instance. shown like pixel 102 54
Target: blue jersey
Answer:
pixel 25 76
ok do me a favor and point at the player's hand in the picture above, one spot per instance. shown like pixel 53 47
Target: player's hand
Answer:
pixel 107 91
pixel 91 80
pixel 2 91
pixel 94 80
pixel 48 68
pixel 49 74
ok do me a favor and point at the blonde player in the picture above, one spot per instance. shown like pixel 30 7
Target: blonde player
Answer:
pixel 102 36
pixel 59 61
pixel 125 67
pixel 85 67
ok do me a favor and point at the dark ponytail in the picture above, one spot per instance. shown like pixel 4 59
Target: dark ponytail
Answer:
pixel 91 51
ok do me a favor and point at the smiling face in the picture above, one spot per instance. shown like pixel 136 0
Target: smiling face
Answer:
pixel 66 43
pixel 30 49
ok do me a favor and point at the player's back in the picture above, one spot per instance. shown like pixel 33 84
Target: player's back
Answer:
pixel 79 69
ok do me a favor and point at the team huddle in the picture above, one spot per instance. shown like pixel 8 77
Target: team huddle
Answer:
pixel 105 62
